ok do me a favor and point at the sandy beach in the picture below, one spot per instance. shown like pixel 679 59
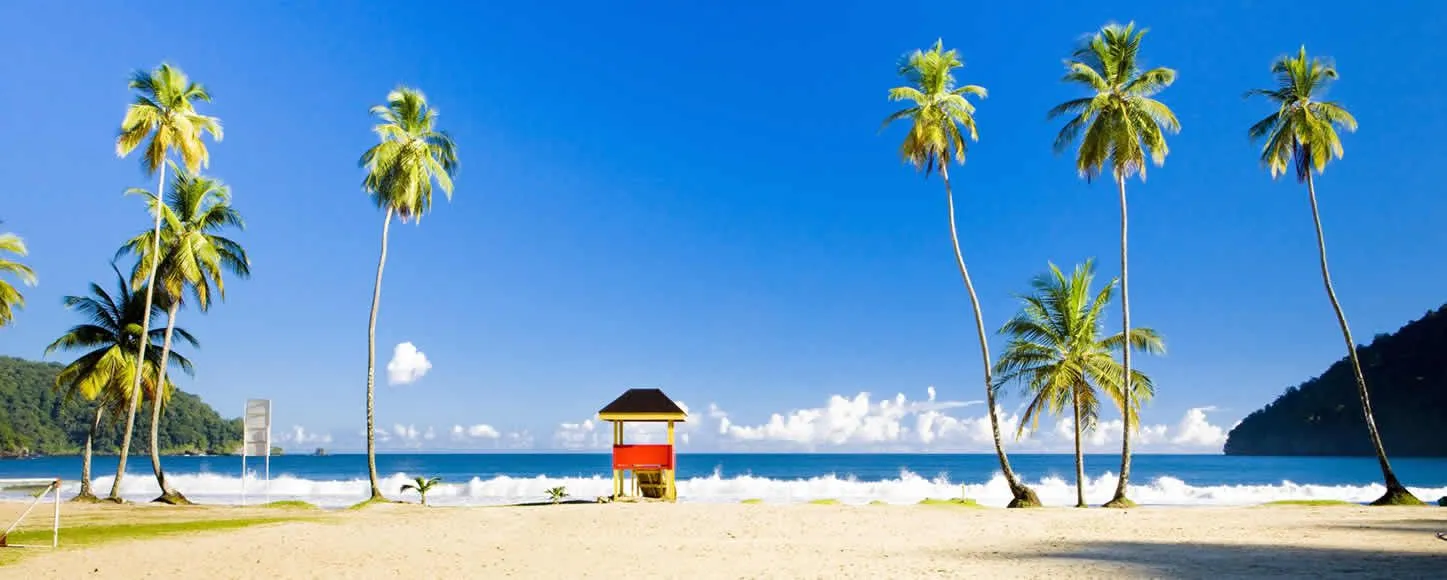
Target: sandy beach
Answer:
pixel 763 541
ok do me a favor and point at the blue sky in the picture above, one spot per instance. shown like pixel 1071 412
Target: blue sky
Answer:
pixel 696 197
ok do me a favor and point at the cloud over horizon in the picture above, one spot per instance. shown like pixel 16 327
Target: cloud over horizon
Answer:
pixel 407 365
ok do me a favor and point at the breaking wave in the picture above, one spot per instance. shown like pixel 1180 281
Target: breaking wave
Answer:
pixel 906 489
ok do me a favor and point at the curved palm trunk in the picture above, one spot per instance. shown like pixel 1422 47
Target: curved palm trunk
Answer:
pixel 1120 500
pixel 86 493
pixel 115 494
pixel 1079 457
pixel 168 494
pixel 372 362
pixel 1023 495
pixel 1397 493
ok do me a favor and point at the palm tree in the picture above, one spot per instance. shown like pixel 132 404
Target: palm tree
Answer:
pixel 113 325
pixel 1120 124
pixel 162 111
pixel 940 116
pixel 401 170
pixel 1058 356
pixel 1302 136
pixel 421 485
pixel 193 258
pixel 10 298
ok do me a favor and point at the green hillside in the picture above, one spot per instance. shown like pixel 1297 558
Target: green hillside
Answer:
pixel 1406 375
pixel 34 419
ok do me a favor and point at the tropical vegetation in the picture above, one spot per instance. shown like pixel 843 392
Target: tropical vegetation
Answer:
pixel 164 117
pixel 1122 125
pixel 413 155
pixel 193 258
pixel 557 494
pixel 421 485
pixel 10 298
pixel 1301 136
pixel 940 118
pixel 1062 362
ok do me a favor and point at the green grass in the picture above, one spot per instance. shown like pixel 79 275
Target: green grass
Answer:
pixel 955 501
pixel 752 501
pixel 825 501
pixel 1310 502
pixel 291 504
pixel 90 534
pixel 878 502
pixel 366 502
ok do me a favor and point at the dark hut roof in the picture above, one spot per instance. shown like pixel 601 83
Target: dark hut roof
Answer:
pixel 643 402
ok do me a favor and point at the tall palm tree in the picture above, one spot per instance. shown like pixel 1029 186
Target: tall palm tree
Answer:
pixel 401 169
pixel 113 325
pixel 1301 137
pixel 10 298
pixel 940 116
pixel 1057 355
pixel 163 111
pixel 193 258
pixel 1122 125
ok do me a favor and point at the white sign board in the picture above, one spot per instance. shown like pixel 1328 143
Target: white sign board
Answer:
pixel 256 439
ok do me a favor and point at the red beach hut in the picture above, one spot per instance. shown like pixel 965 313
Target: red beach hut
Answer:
pixel 651 466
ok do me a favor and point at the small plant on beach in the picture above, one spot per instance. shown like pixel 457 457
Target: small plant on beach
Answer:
pixel 752 501
pixel 824 501
pixel 421 485
pixel 558 494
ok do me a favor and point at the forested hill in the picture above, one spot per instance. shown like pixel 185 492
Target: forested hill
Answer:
pixel 35 419
pixel 1407 378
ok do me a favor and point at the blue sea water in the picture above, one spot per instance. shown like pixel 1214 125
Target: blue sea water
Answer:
pixel 338 480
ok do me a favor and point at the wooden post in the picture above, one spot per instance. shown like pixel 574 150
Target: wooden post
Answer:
pixel 671 492
pixel 617 481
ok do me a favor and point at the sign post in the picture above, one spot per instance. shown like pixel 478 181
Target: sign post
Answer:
pixel 256 440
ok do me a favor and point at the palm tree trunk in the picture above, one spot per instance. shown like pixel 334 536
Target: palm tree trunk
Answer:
pixel 1120 500
pixel 372 362
pixel 168 495
pixel 1079 457
pixel 86 493
pixel 1023 495
pixel 1397 493
pixel 144 339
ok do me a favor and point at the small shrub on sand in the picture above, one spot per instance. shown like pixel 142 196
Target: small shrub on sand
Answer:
pixel 825 501
pixel 1310 502
pixel 878 502
pixel 290 504
pixel 954 501
pixel 752 501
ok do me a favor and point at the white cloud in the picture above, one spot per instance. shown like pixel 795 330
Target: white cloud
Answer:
pixel 583 435
pixel 479 431
pixel 408 365
pixel 300 436
pixel 1194 429
pixel 852 421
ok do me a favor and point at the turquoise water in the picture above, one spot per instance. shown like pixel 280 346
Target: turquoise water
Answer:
pixel 504 478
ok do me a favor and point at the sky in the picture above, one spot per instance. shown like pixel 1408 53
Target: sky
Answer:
pixel 698 197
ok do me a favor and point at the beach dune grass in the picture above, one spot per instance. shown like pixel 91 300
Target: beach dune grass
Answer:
pixel 824 501
pixel 291 504
pixel 1310 502
pixel 954 501
pixel 752 501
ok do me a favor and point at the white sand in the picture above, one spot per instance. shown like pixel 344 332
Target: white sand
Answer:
pixel 793 541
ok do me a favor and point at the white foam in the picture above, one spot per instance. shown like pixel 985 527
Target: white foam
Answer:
pixel 906 489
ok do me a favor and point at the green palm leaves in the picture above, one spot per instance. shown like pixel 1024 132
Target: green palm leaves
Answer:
pixel 163 110
pixel 940 116
pixel 10 298
pixel 194 257
pixel 421 485
pixel 1057 351
pixel 1119 124
pixel 412 155
pixel 1302 134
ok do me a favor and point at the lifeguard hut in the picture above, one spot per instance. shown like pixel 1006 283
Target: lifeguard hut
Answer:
pixel 651 466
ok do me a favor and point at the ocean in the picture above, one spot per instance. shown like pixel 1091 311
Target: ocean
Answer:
pixel 489 479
